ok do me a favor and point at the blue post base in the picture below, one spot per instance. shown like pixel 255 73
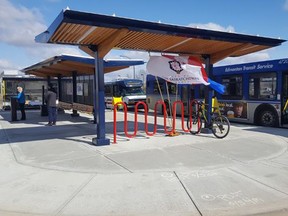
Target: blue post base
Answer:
pixel 100 142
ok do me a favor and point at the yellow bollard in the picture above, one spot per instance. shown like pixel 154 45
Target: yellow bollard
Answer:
pixel 115 100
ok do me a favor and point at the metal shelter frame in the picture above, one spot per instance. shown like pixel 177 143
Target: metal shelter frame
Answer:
pixel 97 34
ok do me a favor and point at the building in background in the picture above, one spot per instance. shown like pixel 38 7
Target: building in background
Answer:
pixel 32 87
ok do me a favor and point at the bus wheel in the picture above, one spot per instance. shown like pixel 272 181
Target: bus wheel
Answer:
pixel 268 118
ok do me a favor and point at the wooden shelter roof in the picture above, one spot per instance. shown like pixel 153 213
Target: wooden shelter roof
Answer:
pixel 109 32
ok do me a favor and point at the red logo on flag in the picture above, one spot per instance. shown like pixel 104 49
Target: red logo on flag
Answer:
pixel 175 66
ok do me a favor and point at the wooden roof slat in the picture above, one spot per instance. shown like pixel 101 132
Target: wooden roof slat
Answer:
pixel 110 42
pixel 98 35
pixel 70 26
pixel 94 31
pixel 65 65
pixel 79 67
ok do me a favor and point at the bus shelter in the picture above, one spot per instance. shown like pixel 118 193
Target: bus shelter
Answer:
pixel 67 66
pixel 97 34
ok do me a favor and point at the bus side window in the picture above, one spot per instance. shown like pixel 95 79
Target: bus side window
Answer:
pixel 108 90
pixel 253 88
pixel 172 88
pixel 116 91
pixel 156 87
pixel 233 86
pixel 192 92
pixel 202 91
pixel 262 86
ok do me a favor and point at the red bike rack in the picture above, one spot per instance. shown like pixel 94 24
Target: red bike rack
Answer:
pixel 172 131
pixel 125 121
pixel 182 115
pixel 136 119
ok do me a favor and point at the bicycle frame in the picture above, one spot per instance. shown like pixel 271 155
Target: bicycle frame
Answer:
pixel 219 125
pixel 202 112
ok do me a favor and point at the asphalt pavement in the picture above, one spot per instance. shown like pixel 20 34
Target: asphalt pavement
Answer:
pixel 55 170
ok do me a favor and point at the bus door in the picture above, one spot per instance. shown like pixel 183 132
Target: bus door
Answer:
pixel 285 99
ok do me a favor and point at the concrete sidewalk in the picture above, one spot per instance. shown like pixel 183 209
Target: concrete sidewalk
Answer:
pixel 56 171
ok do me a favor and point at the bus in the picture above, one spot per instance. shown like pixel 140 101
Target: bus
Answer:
pixel 129 90
pixel 256 92
pixel 159 89
pixel 32 88
pixel 258 89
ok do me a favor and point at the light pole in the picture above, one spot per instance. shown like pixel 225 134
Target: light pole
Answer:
pixel 134 75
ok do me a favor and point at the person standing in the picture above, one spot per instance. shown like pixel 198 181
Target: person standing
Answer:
pixel 21 102
pixel 50 99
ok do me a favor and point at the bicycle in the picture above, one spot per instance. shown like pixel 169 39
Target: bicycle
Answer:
pixel 285 113
pixel 219 124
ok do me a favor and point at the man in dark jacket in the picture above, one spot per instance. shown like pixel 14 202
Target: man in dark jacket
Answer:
pixel 50 99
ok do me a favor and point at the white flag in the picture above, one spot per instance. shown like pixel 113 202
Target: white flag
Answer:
pixel 181 70
pixel 176 69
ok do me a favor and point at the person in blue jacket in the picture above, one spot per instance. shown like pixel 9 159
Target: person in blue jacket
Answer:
pixel 21 102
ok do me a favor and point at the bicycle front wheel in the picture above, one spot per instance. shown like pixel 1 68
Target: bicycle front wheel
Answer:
pixel 195 125
pixel 220 126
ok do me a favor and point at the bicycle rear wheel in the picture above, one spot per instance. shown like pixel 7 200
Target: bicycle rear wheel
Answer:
pixel 196 124
pixel 220 126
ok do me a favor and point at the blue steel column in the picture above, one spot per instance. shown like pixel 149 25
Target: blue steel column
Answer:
pixel 94 98
pixel 208 92
pixel 48 80
pixel 99 102
pixel 59 92
pixel 74 93
pixel 59 87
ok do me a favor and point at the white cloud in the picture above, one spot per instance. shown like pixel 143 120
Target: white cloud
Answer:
pixel 286 5
pixel 212 26
pixel 18 28
pixel 44 51
pixel 5 65
pixel 19 25
pixel 254 57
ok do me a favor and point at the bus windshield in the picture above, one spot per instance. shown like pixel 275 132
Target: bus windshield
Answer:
pixel 131 91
